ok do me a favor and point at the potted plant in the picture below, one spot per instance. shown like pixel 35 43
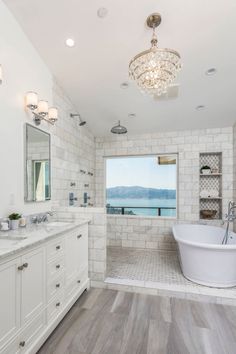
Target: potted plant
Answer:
pixel 205 170
pixel 14 220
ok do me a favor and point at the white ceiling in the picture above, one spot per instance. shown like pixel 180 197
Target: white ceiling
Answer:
pixel 203 32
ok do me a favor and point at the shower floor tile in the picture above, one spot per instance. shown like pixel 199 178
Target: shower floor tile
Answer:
pixel 154 269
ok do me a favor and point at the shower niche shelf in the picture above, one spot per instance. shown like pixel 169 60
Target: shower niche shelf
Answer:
pixel 210 193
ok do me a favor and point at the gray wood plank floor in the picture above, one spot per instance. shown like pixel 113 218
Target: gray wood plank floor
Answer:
pixel 116 322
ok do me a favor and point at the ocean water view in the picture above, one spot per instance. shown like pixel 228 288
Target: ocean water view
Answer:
pixel 150 206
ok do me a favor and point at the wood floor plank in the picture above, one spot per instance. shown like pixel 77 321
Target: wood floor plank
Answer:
pixel 122 303
pixel 111 322
pixel 159 308
pixel 90 300
pixel 111 335
pixel 158 337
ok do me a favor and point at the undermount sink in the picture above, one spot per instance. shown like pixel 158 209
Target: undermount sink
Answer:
pixel 57 223
pixel 7 243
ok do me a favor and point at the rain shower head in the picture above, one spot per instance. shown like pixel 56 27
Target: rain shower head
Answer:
pixel 81 121
pixel 118 129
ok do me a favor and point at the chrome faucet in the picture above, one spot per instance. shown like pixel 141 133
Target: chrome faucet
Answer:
pixel 229 217
pixel 37 219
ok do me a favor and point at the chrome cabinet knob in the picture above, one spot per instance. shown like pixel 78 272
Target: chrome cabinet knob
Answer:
pixel 25 265
pixel 21 267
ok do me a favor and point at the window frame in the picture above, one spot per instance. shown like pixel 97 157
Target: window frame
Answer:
pixel 175 154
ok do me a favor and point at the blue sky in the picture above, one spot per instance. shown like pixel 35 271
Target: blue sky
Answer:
pixel 140 171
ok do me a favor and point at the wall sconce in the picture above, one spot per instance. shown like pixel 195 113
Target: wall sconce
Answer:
pixel 0 74
pixel 43 108
pixel 40 109
pixel 53 114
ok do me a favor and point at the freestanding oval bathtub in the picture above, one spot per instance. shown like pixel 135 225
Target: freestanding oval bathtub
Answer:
pixel 204 260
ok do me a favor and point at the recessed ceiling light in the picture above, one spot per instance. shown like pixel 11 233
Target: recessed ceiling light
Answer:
pixel 124 85
pixel 131 115
pixel 70 42
pixel 200 107
pixel 211 71
pixel 102 12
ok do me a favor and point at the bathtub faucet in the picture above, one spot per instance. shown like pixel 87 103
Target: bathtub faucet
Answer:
pixel 230 217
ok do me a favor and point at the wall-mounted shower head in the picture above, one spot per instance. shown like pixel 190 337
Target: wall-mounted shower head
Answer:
pixel 81 121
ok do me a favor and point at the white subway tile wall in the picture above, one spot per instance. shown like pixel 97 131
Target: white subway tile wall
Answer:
pixel 156 233
pixel 73 149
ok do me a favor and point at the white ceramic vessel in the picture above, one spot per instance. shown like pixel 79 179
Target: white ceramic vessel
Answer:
pixel 204 260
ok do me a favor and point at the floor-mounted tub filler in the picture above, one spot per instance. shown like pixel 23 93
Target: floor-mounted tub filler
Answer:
pixel 203 257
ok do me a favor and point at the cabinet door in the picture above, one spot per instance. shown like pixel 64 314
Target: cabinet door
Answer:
pixel 32 284
pixel 70 256
pixel 9 299
pixel 82 249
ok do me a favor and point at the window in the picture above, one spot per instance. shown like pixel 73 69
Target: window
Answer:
pixel 142 185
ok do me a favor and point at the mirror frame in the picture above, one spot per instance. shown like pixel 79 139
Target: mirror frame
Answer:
pixel 25 165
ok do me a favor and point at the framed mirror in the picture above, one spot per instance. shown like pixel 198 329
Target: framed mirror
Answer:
pixel 37 165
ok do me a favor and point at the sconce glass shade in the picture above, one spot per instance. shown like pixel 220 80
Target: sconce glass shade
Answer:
pixel 43 108
pixel 0 74
pixel 32 100
pixel 53 114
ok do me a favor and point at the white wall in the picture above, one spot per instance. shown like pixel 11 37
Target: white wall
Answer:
pixel 73 147
pixel 23 70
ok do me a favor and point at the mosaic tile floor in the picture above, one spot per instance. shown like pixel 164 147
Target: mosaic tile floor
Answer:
pixel 154 269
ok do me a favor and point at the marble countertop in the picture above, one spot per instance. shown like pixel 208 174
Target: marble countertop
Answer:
pixel 16 241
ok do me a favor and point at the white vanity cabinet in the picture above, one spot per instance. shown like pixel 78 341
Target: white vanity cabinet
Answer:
pixel 32 284
pixel 38 287
pixel 9 300
pixel 76 262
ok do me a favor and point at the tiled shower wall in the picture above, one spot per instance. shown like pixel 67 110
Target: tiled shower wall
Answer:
pixel 73 149
pixel 153 232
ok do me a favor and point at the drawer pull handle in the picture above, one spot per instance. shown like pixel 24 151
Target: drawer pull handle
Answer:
pixel 78 281
pixel 21 267
pixel 58 304
pixel 58 285
pixel 58 247
pixel 22 344
pixel 79 236
pixel 25 265
pixel 58 266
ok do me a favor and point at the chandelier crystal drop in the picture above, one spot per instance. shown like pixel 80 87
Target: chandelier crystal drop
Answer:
pixel 154 70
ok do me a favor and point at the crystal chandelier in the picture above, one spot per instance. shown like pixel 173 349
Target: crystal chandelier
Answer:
pixel 155 69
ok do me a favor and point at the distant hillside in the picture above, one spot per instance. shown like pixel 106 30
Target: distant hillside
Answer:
pixel 140 193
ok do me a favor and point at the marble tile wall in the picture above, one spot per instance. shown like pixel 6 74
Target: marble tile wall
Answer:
pixel 156 232
pixel 73 149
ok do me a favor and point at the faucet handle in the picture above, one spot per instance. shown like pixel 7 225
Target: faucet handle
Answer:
pixel 34 219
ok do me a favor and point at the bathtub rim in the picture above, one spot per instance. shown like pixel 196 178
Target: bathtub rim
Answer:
pixel 202 245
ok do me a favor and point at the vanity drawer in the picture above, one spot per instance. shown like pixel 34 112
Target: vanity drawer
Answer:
pixel 55 306
pixel 54 287
pixel 75 285
pixel 55 248
pixel 55 268
pixel 31 333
